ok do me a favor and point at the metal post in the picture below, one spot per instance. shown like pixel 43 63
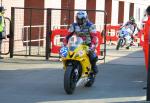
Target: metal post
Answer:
pixel 27 38
pixel 1 3
pixel 12 27
pixel 69 22
pixel 105 23
pixel 69 19
pixel 48 34
pixel 30 33
pixel 39 43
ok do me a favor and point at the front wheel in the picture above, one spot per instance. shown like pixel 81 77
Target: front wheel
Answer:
pixel 119 44
pixel 69 80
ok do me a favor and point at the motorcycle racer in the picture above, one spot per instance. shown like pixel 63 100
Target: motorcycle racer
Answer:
pixel 87 31
pixel 131 27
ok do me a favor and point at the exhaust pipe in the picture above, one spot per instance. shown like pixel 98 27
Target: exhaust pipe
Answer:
pixel 82 81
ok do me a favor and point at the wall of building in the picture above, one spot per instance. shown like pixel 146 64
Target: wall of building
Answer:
pixel 78 4
pixel 126 11
pixel 98 18
pixel 12 3
pixel 115 7
pixel 56 21
pixel 81 4
pixel 138 10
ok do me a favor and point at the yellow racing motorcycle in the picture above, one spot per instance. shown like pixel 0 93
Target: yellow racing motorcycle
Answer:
pixel 77 66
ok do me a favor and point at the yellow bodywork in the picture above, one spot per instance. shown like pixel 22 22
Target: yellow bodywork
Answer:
pixel 79 54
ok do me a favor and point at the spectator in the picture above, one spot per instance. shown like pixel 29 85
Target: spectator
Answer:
pixel 146 37
pixel 2 28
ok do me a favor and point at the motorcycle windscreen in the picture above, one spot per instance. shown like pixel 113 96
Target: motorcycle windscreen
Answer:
pixel 74 42
pixel 123 32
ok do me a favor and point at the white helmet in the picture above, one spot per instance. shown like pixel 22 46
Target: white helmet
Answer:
pixel 81 17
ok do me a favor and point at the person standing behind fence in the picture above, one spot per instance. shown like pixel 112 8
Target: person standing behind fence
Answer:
pixel 2 28
pixel 146 36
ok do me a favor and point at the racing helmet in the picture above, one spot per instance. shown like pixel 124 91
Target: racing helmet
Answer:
pixel 132 19
pixel 81 17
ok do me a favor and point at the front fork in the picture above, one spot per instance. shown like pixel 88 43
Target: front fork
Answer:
pixel 76 68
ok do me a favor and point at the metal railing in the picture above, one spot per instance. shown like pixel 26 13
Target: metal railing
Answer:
pixel 48 27
pixel 25 35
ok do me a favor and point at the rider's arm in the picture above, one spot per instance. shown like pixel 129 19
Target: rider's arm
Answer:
pixel 93 35
pixel 137 27
pixel 69 34
pixel 127 23
pixel 135 31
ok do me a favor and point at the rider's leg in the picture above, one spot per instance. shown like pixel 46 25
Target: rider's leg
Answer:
pixel 132 42
pixel 93 59
pixel 129 41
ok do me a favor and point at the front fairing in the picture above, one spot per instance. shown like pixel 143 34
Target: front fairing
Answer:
pixel 76 49
pixel 123 32
pixel 125 36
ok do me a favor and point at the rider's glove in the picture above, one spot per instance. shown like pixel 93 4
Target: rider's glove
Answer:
pixel 64 42
pixel 92 47
pixel 132 37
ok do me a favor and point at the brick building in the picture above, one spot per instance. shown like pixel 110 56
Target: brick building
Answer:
pixel 118 11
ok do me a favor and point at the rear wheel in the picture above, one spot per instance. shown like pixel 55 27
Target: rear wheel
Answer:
pixel 69 80
pixel 91 81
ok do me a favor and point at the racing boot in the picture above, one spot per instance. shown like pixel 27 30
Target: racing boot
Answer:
pixel 94 68
pixel 93 59
pixel 128 47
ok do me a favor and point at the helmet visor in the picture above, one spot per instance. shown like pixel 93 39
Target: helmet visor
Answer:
pixel 80 21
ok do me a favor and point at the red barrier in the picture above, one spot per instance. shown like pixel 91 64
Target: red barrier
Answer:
pixel 112 30
pixel 99 42
pixel 140 35
pixel 57 33
pixel 60 34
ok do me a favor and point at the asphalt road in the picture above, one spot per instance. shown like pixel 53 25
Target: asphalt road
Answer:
pixel 120 80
